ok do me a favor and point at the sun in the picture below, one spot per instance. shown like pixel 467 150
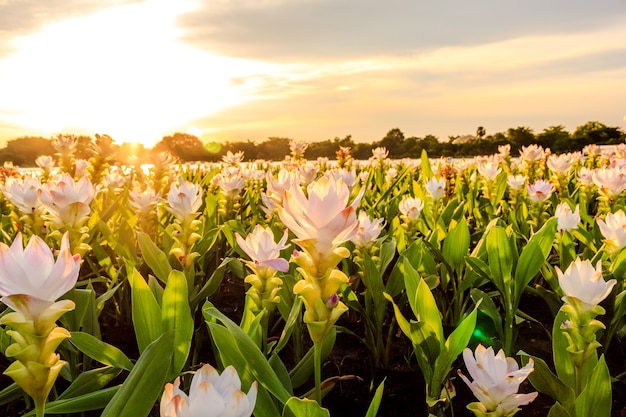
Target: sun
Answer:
pixel 104 74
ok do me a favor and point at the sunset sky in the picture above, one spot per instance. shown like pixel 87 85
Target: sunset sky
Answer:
pixel 237 70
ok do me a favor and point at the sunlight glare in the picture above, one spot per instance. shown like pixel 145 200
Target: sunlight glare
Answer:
pixel 121 72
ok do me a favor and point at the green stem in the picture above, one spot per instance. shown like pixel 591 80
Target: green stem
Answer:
pixel 317 368
pixel 579 379
pixel 40 406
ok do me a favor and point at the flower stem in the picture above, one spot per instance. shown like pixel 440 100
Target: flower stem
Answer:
pixel 317 368
pixel 40 407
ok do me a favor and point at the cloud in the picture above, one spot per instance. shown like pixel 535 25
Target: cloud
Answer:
pixel 348 29
pixel 23 17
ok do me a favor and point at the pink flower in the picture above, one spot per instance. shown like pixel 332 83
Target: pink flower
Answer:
pixel 210 395
pixel 30 278
pixel 566 219
pixel 540 191
pixel 496 380
pixel 263 250
pixel 68 201
pixel 323 218
pixel 184 200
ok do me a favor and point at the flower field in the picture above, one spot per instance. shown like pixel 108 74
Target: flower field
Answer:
pixel 488 287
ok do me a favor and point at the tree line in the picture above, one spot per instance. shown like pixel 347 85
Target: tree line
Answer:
pixel 185 147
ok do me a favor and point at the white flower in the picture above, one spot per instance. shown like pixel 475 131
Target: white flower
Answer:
pixel 30 278
pixel 516 182
pixel 65 144
pixel 411 207
pixel 532 153
pixel 495 381
pixel 143 201
pixel 489 170
pixel 261 248
pixel 66 200
pixel 23 194
pixel 210 395
pixel 184 200
pixel 368 230
pixel 308 172
pixel 436 187
pixel 504 150
pixel 81 167
pixel 540 191
pixel 45 162
pixel 324 217
pixel 231 183
pixel 585 176
pixel 566 219
pixel 559 164
pixel 613 228
pixel 233 158
pixel 297 148
pixel 585 283
pixel 380 153
pixel 611 181
pixel 349 177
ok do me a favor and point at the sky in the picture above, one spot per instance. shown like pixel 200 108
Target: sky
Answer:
pixel 239 70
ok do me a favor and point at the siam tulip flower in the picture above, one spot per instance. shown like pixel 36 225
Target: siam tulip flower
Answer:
pixel 390 175
pixel 263 251
pixel 30 283
pixel 23 194
pixel 231 184
pixel 411 207
pixel 516 182
pixel 31 280
pixel 143 201
pixel 613 228
pixel 559 164
pixel 184 200
pixel 81 168
pixel 308 173
pixel 436 187
pixel 115 180
pixel 566 219
pixel 610 181
pixel 532 153
pixel 233 158
pixel 67 201
pixel 585 176
pixel 504 150
pixel 65 144
pixel 489 170
pixel 46 163
pixel 540 191
pixel 210 395
pixel 495 382
pixel 323 220
pixel 265 261
pixel 368 230
pixel 583 282
pixel 380 153
pixel 297 148
pixel 276 187
pixel 349 177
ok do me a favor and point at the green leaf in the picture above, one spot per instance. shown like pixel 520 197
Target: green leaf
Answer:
pixel 488 307
pixel 145 310
pixel 90 381
pixel 154 257
pixel 144 384
pixel 100 351
pixel 253 356
pixel 176 316
pixel 11 393
pixel 546 382
pixel 557 410
pixel 562 359
pixel 595 400
pixel 303 370
pixel 500 259
pixel 87 402
pixel 456 245
pixel 454 345
pixel 230 354
pixel 372 410
pixel 302 407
